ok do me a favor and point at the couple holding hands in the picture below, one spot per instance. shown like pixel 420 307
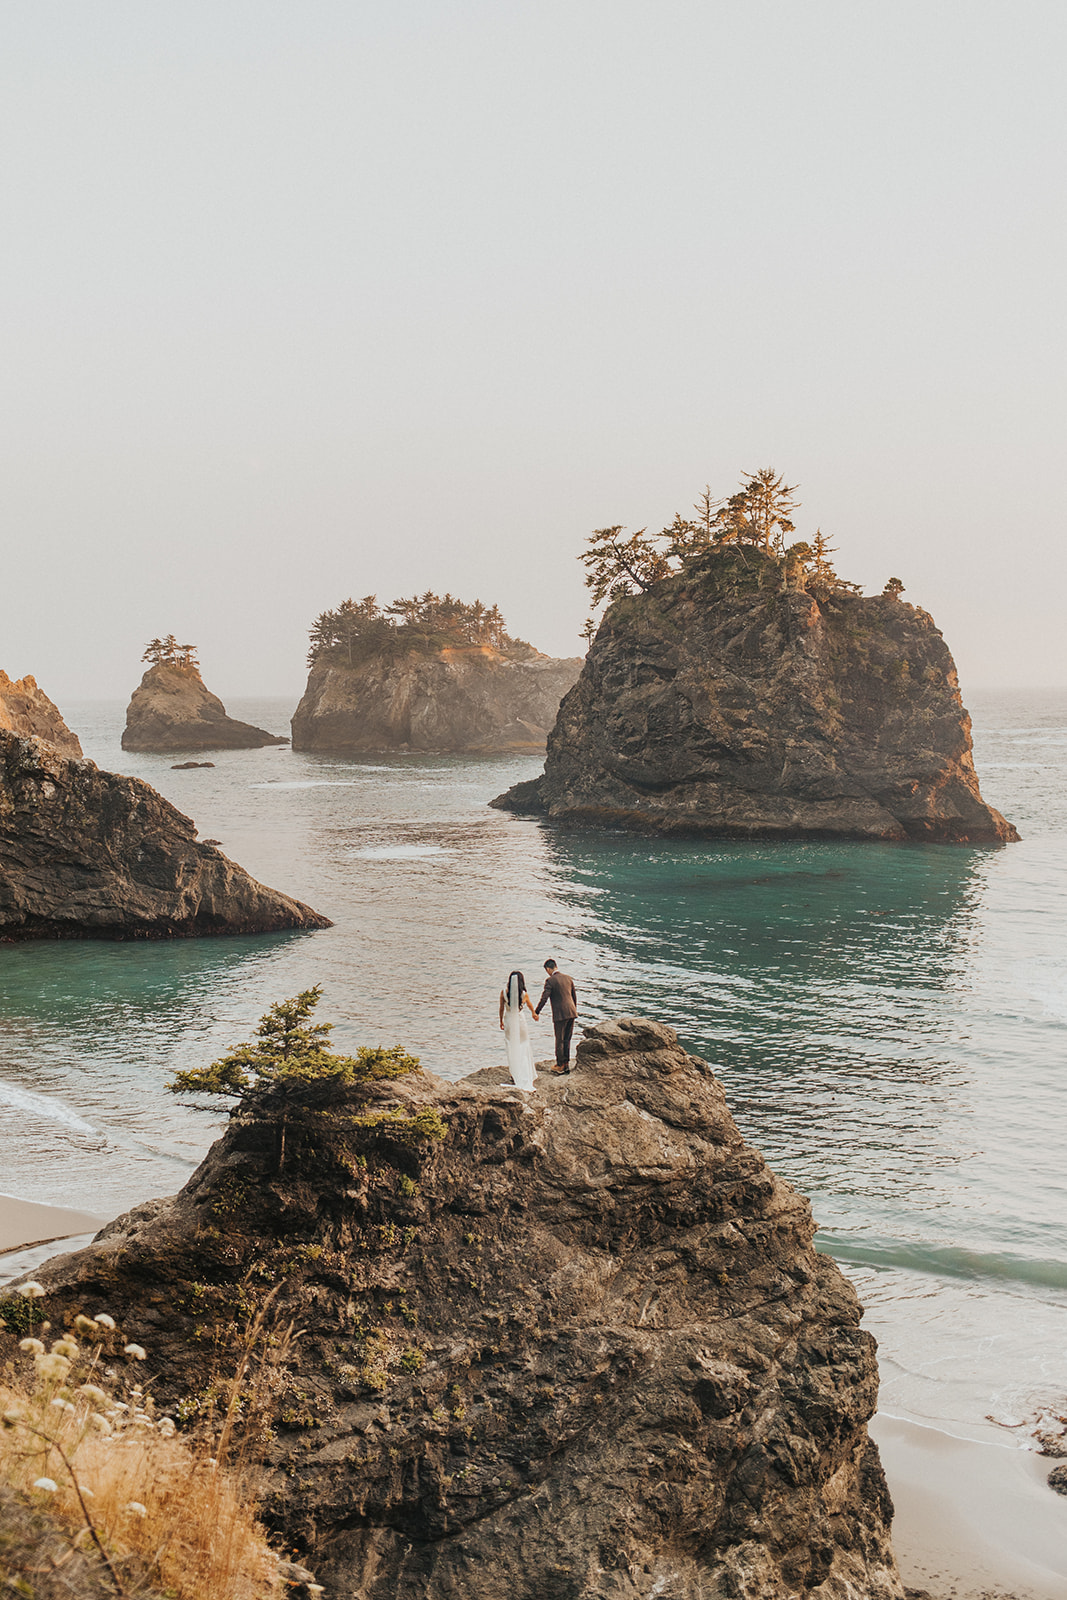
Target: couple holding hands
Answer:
pixel 560 993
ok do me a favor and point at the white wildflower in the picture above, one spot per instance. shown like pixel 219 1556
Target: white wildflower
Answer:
pixel 103 1320
pixel 53 1367
pixel 85 1324
pixel 65 1347
pixel 86 1492
pixel 62 1405
pixel 167 1427
pixel 136 1352
pixel 92 1392
pixel 32 1291
pixel 32 1347
pixel 136 1509
pixel 211 1463
pixel 47 1484
pixel 11 1419
pixel 101 1424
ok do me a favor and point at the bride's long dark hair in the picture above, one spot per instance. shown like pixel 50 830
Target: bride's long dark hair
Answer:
pixel 522 986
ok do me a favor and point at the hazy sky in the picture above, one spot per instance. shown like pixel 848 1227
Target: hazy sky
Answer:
pixel 336 297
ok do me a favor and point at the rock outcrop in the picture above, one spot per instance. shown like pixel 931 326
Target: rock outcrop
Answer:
pixel 580 1346
pixel 85 853
pixel 712 705
pixel 25 709
pixel 172 709
pixel 470 699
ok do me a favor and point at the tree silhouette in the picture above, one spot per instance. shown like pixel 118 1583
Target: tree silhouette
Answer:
pixel 268 1078
pixel 167 652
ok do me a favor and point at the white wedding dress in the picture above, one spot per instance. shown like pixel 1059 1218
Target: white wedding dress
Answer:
pixel 517 1038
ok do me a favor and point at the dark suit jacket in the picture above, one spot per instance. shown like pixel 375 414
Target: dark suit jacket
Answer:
pixel 560 990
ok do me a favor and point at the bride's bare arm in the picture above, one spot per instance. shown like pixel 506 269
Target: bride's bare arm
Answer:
pixel 529 1002
pixel 501 1008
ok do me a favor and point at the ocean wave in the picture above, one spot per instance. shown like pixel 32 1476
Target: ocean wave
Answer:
pixel 947 1261
pixel 40 1105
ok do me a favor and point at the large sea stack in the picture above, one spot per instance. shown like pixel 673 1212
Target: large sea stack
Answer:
pixel 25 709
pixel 173 710
pixel 85 853
pixel 578 1348
pixel 721 702
pixel 470 699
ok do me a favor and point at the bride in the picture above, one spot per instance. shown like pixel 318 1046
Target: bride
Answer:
pixel 517 1030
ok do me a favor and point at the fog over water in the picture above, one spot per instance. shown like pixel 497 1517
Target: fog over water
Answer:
pixel 308 301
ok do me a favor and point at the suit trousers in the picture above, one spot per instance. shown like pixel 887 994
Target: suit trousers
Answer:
pixel 563 1027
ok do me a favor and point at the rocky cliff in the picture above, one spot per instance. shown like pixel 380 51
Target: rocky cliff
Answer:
pixel 470 698
pixel 715 704
pixel 580 1346
pixel 89 853
pixel 27 710
pixel 174 710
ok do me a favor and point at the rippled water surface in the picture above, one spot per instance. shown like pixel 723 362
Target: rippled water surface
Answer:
pixel 889 1021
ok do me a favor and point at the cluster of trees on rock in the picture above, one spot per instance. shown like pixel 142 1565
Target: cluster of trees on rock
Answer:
pixel 757 517
pixel 358 629
pixel 169 653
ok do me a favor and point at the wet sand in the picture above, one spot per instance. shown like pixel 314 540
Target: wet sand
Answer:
pixel 973 1520
pixel 27 1222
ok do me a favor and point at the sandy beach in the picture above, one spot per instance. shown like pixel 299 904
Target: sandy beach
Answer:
pixel 973 1520
pixel 27 1222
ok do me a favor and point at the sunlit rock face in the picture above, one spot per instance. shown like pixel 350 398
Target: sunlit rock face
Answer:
pixel 173 710
pixel 580 1346
pixel 25 709
pixel 469 699
pixel 85 853
pixel 716 705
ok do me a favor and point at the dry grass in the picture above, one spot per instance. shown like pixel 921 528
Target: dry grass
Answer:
pixel 128 1485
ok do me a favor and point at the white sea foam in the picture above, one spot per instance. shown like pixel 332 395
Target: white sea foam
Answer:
pixel 399 852
pixel 43 1106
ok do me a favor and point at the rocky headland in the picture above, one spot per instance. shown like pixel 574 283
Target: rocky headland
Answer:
pixel 173 710
pixel 25 709
pixel 569 1345
pixel 86 853
pixel 468 698
pixel 725 700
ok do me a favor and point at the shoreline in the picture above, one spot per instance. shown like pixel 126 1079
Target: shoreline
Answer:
pixel 27 1223
pixel 974 1520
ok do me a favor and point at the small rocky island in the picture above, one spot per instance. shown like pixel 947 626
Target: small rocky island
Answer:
pixel 572 1345
pixel 428 674
pixel 173 710
pixel 25 709
pixel 737 687
pixel 90 854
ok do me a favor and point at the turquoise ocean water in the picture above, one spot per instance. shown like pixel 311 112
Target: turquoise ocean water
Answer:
pixel 889 1021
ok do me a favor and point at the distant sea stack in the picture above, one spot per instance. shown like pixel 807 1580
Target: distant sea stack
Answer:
pixel 26 709
pixel 749 693
pixel 173 710
pixel 429 674
pixel 85 853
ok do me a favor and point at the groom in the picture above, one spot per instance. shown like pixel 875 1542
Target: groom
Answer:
pixel 560 991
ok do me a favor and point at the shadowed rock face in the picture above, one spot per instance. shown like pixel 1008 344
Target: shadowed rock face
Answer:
pixel 25 709
pixel 582 1347
pixel 711 706
pixel 89 853
pixel 470 699
pixel 174 710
